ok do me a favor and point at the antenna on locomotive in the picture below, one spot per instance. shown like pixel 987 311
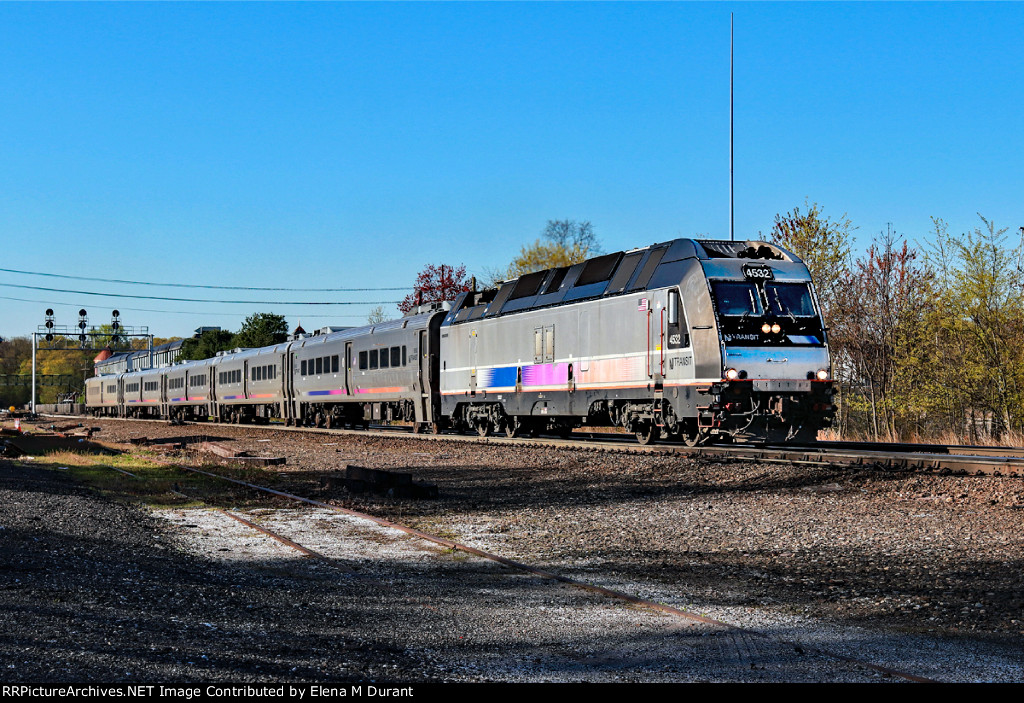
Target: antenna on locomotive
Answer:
pixel 732 218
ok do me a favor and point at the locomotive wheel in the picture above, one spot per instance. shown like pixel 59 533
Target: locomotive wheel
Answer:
pixel 483 428
pixel 690 435
pixel 513 428
pixel 647 432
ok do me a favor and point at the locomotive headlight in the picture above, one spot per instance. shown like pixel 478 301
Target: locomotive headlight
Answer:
pixel 732 374
pixel 776 328
pixel 822 374
pixel 766 328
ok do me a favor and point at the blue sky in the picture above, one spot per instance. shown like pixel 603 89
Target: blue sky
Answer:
pixel 346 145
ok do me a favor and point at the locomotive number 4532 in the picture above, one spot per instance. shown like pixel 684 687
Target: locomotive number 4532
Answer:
pixel 763 273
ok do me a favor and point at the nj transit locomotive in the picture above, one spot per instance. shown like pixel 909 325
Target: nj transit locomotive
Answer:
pixel 693 340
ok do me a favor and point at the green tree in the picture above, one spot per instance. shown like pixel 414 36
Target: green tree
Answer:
pixel 563 243
pixel 207 345
pixel 377 315
pixel 879 344
pixel 979 330
pixel 262 329
pixel 823 244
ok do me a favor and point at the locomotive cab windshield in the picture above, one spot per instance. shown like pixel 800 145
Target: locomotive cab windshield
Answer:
pixel 767 313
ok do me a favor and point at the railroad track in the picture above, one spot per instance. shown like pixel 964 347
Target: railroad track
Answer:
pixel 946 460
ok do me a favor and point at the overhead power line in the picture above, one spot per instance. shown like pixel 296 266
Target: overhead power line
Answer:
pixel 204 300
pixel 197 285
pixel 206 313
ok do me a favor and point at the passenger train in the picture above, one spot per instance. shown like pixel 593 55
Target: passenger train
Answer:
pixel 689 340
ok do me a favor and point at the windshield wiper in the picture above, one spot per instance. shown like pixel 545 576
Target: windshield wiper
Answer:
pixel 782 306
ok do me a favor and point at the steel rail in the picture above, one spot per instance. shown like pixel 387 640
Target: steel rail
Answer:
pixel 949 460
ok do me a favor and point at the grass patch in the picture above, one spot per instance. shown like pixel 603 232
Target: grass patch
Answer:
pixel 157 485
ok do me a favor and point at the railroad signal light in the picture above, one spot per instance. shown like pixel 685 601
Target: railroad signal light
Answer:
pixel 49 337
pixel 82 313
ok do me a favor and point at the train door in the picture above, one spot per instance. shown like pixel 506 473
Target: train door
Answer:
pixel 288 384
pixel 213 389
pixel 472 362
pixel 677 335
pixel 349 384
pixel 423 409
pixel 654 320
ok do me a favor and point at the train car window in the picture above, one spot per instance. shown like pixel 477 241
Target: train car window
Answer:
pixel 669 274
pixel 396 356
pixel 403 355
pixel 303 372
pixel 735 298
pixel 362 360
pixel 384 358
pixel 556 281
pixel 647 271
pixel 624 272
pixel 528 284
pixel 319 364
pixel 499 299
pixel 373 358
pixel 334 363
pixel 598 269
pixel 789 298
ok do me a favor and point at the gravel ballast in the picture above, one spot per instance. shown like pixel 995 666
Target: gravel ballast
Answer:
pixel 916 573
